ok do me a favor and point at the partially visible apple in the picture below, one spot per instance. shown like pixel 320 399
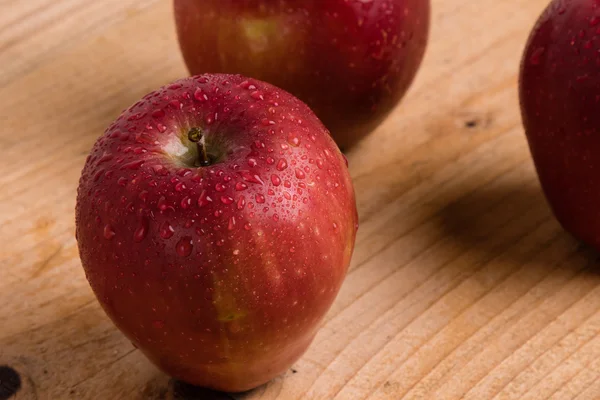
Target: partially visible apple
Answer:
pixel 560 104
pixel 215 221
pixel 351 61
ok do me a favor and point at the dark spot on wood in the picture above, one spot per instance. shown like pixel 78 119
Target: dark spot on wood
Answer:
pixel 294 371
pixel 472 123
pixel 10 382
pixel 387 384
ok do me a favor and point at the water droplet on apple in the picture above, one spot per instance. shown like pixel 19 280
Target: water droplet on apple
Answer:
pixel 256 95
pixel 259 198
pixel 136 117
pixel 166 230
pixel 240 186
pixel 143 138
pixel 143 196
pixel 115 135
pixel 293 139
pixel 204 199
pixel 162 204
pixel 270 160
pixel 97 175
pixel 160 170
pixel 158 114
pixel 186 202
pixel 109 232
pixel 226 200
pixel 282 164
pixel 200 95
pixel 241 203
pixel 275 217
pixel 275 180
pixel 184 246
pixel 141 231
pixel 105 158
pixel 251 177
pixel 536 56
pixel 231 223
pixel 219 187
pixel 248 226
pixel 300 174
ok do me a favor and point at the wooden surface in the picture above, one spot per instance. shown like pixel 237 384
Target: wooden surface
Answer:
pixel 462 284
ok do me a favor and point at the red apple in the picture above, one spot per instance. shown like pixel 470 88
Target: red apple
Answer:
pixel 215 221
pixel 560 104
pixel 351 61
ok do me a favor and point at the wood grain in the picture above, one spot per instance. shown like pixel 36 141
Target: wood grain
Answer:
pixel 462 284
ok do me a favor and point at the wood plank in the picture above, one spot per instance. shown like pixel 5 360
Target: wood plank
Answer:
pixel 462 284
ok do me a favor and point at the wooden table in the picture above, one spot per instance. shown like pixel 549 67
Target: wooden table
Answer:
pixel 462 284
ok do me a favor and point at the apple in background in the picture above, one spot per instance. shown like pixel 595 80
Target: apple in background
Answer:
pixel 560 104
pixel 215 221
pixel 351 61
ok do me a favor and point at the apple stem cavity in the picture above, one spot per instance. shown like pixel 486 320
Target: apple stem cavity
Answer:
pixel 196 136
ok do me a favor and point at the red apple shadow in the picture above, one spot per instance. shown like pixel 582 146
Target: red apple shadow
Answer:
pixel 163 387
pixel 184 391
pixel 514 223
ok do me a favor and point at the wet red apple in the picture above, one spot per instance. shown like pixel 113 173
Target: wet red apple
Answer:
pixel 215 222
pixel 560 103
pixel 351 61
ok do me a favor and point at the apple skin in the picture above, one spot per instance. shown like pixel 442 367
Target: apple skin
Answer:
pixel 351 61
pixel 220 275
pixel 560 105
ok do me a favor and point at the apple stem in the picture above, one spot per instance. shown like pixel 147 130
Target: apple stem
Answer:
pixel 195 136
